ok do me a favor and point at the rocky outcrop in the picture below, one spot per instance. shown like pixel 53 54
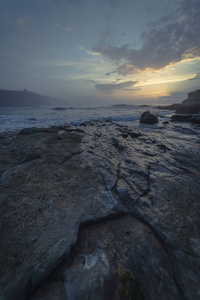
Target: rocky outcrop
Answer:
pixel 181 117
pixel 189 106
pixel 99 212
pixel 148 118
pixel 173 106
pixel 195 119
pixel 186 118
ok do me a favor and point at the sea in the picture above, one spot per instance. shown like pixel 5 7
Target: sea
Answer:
pixel 13 119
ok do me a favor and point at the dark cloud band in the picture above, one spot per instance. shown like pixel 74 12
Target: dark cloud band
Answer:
pixel 115 86
pixel 170 40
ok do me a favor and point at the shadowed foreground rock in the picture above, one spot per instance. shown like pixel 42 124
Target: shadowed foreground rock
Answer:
pixel 99 212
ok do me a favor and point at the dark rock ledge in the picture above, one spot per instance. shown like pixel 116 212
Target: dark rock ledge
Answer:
pixel 88 213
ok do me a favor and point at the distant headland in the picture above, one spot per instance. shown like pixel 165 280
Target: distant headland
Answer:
pixel 11 98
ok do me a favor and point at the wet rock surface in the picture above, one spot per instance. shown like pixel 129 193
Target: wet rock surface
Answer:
pixel 182 117
pixel 186 118
pixel 196 119
pixel 99 211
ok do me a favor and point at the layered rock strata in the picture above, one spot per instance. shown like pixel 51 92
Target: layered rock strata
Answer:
pixel 99 212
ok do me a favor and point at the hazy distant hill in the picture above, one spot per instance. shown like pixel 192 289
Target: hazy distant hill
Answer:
pixel 26 98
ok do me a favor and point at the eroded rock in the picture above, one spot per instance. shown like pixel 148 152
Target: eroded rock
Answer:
pixel 93 215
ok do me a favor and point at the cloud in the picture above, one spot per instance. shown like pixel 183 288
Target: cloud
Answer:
pixel 68 1
pixel 16 21
pixel 124 69
pixel 20 22
pixel 88 51
pixel 114 3
pixel 175 97
pixel 170 40
pixel 68 29
pixel 109 73
pixel 116 86
pixel 90 81
pixel 195 77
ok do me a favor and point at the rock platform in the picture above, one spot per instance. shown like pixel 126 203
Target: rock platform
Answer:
pixel 99 211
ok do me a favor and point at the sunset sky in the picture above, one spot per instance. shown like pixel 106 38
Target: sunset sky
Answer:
pixel 101 51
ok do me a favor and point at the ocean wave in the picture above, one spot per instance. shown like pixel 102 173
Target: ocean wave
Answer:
pixel 62 108
pixel 43 117
pixel 122 105
pixel 122 118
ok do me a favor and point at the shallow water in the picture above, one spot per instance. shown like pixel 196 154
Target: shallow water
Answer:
pixel 12 119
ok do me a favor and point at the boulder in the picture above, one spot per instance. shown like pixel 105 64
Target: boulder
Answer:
pixel 89 214
pixel 148 118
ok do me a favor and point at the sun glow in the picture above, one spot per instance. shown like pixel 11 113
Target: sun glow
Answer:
pixel 170 74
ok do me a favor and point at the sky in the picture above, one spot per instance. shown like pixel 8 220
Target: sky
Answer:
pixel 97 52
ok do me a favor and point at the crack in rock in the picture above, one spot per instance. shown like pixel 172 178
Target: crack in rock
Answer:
pixel 75 228
pixel 145 193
